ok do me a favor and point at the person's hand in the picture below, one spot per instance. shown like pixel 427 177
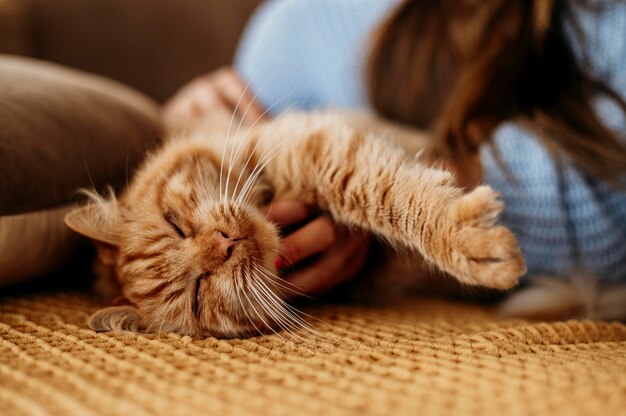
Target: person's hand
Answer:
pixel 213 93
pixel 341 253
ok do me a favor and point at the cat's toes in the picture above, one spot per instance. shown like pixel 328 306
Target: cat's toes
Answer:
pixel 490 257
pixel 484 253
pixel 479 208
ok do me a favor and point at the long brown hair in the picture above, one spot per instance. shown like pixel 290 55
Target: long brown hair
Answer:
pixel 461 67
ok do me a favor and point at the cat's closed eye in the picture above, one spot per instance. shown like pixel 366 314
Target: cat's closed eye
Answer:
pixel 195 305
pixel 172 220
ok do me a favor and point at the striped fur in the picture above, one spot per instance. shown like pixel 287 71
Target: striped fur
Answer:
pixel 191 252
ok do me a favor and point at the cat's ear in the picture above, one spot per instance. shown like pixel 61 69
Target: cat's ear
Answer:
pixel 97 221
pixel 116 318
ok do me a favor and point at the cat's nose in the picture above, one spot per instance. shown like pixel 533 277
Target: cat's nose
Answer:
pixel 225 243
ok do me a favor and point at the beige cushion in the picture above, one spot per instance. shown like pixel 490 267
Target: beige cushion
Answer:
pixel 60 130
pixel 35 243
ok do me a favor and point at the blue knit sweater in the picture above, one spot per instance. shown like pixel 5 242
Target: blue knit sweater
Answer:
pixel 309 54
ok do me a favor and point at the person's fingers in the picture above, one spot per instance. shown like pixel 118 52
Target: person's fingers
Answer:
pixel 238 95
pixel 288 212
pixel 340 263
pixel 204 102
pixel 221 90
pixel 191 109
pixel 205 97
pixel 176 111
pixel 187 105
pixel 314 237
pixel 354 263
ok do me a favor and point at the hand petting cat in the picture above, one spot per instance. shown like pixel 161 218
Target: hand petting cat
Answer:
pixel 216 92
pixel 340 254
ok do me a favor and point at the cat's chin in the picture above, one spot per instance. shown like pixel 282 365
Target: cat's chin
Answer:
pixel 254 322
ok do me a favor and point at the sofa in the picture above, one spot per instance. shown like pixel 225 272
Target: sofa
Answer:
pixel 80 87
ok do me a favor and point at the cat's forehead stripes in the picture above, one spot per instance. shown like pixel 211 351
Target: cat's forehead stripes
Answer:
pixel 182 158
pixel 186 177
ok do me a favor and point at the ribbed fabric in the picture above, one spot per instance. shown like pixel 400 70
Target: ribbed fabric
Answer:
pixel 308 54
pixel 419 357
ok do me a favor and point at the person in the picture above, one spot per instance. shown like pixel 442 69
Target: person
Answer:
pixel 527 96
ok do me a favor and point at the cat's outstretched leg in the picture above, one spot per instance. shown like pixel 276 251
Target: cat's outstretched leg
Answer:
pixel 366 182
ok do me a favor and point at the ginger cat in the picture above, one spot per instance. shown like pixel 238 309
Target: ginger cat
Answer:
pixel 186 249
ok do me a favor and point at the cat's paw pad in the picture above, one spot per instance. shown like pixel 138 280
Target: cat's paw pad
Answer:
pixel 483 252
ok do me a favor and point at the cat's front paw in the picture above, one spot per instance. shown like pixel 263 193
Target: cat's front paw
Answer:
pixel 481 252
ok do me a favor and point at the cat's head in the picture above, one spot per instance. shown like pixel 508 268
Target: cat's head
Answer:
pixel 186 257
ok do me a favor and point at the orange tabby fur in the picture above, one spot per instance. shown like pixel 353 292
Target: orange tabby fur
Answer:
pixel 189 251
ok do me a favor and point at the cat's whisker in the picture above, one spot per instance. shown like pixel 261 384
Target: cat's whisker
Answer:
pixel 260 303
pixel 241 141
pixel 238 290
pixel 287 305
pixel 233 153
pixel 269 310
pixel 295 313
pixel 270 327
pixel 295 321
pixel 259 168
pixel 290 319
pixel 243 168
pixel 277 285
pixel 149 328
pixel 278 315
pixel 230 124
pixel 265 298
pixel 269 295
pixel 277 281
pixel 234 157
pixel 260 140
pixel 229 171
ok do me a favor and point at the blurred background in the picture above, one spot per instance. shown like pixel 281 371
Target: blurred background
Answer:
pixel 153 45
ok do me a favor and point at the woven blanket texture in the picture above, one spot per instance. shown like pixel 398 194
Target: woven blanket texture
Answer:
pixel 419 356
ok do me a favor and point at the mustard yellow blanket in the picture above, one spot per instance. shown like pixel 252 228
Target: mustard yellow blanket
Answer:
pixel 421 356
